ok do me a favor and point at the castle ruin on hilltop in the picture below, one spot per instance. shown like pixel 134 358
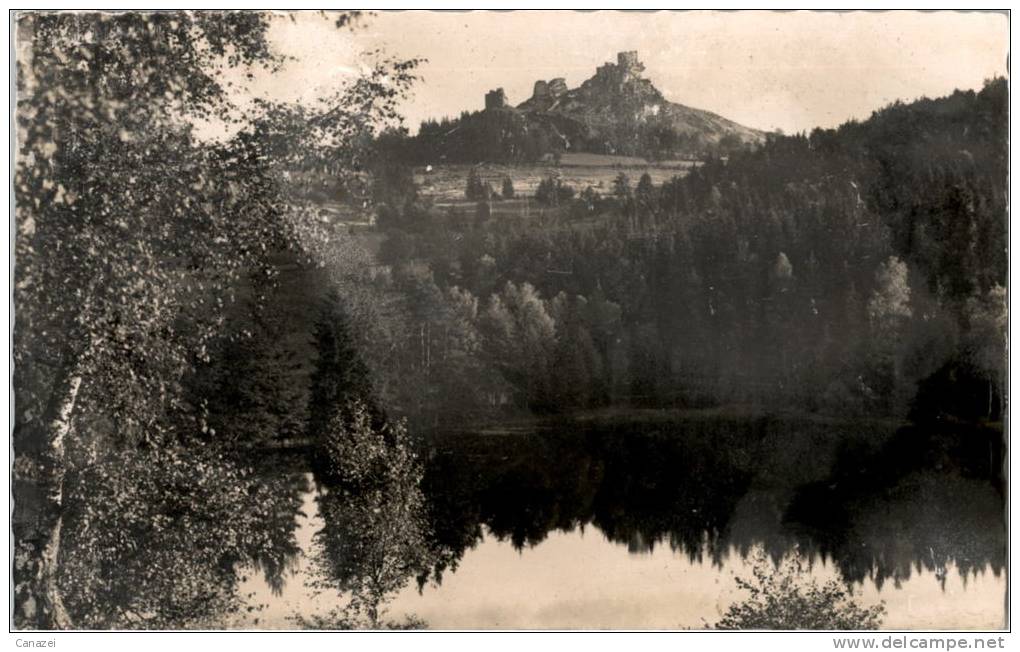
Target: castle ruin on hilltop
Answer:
pixel 628 67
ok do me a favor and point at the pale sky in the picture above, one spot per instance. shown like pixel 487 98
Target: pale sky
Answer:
pixel 791 70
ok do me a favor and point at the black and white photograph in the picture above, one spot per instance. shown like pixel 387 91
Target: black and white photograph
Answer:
pixel 509 321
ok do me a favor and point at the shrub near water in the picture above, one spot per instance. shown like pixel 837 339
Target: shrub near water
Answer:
pixel 786 597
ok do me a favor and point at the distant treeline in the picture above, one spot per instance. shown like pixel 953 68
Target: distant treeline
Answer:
pixel 511 136
pixel 855 270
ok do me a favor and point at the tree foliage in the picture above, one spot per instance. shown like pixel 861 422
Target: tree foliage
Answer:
pixel 553 192
pixel 134 237
pixel 373 540
pixel 836 271
pixel 784 597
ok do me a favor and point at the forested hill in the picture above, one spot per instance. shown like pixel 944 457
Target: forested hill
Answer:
pixel 616 111
pixel 855 270
pixel 933 173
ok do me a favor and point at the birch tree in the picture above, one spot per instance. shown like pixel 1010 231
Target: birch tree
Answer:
pixel 131 234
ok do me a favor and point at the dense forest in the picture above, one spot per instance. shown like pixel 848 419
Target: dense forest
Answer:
pixel 859 270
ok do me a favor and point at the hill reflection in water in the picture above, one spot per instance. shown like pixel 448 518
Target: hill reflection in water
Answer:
pixel 716 488
pixel 645 525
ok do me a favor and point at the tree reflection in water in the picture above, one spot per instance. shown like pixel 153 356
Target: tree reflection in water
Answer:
pixel 706 490
pixel 160 540
pixel 711 489
pixel 374 535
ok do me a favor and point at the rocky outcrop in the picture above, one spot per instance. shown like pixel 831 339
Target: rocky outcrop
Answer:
pixel 557 86
pixel 546 93
pixel 616 111
pixel 619 111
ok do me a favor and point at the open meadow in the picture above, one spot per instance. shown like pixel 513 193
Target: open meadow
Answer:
pixel 445 184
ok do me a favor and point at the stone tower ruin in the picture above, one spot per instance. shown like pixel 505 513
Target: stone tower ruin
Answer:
pixel 630 67
pixel 627 68
pixel 495 99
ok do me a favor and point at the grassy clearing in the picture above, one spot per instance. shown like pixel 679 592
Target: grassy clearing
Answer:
pixel 584 159
pixel 445 184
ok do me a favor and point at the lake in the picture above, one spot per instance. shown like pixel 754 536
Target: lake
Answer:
pixel 647 526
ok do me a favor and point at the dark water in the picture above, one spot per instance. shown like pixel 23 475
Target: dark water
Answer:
pixel 646 524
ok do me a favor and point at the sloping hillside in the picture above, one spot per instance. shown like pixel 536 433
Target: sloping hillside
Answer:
pixel 616 111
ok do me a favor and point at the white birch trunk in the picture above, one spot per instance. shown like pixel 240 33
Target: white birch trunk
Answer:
pixel 60 430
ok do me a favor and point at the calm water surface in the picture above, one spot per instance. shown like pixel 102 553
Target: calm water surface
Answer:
pixel 638 529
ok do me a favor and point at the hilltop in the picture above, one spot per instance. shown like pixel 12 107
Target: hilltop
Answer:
pixel 619 111
pixel 616 111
